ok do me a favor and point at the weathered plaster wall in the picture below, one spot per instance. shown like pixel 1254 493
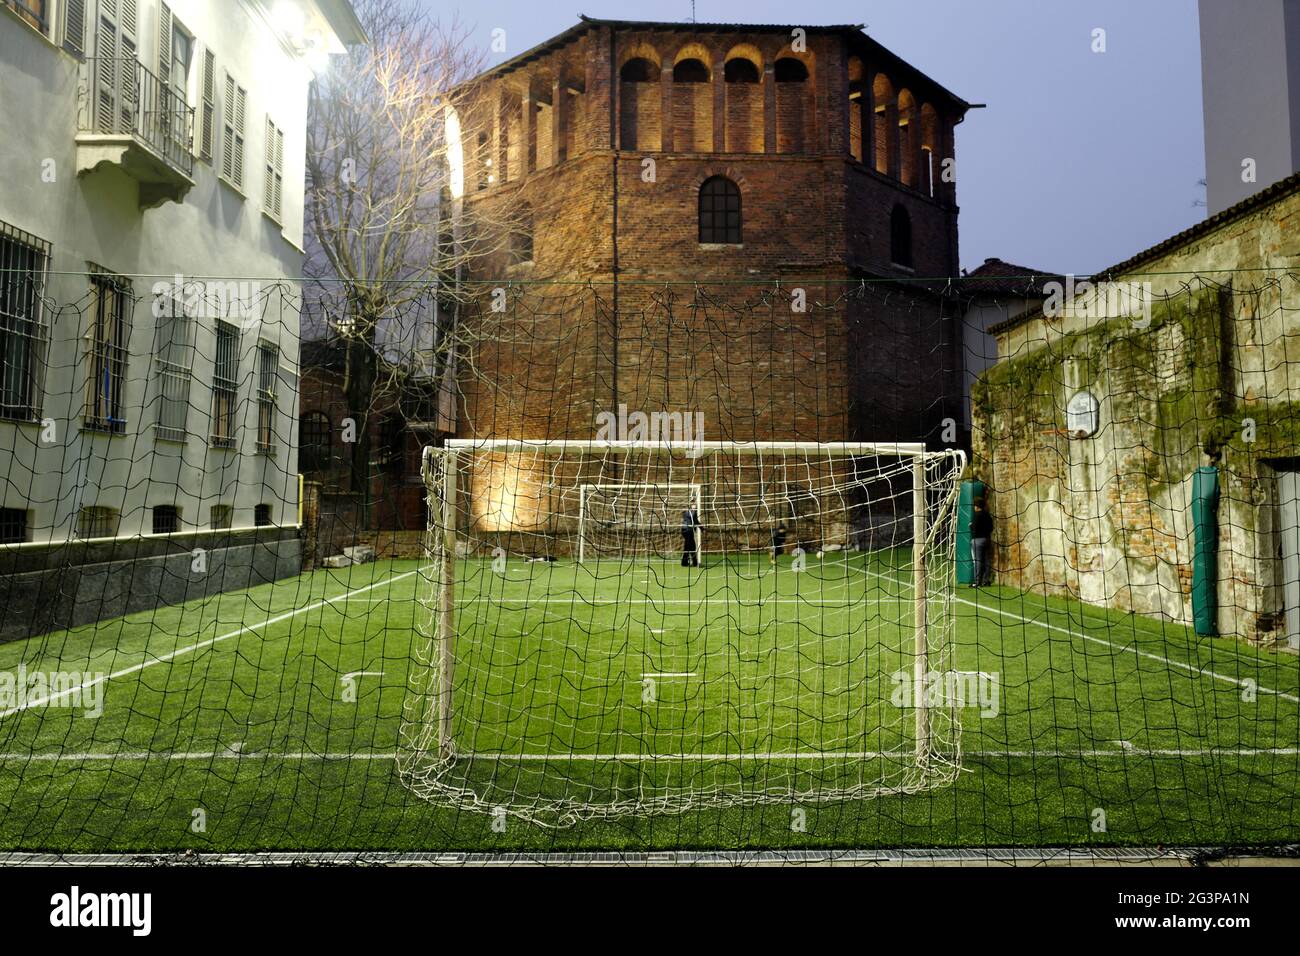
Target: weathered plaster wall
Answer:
pixel 1211 377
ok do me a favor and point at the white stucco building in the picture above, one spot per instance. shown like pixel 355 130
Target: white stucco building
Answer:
pixel 141 417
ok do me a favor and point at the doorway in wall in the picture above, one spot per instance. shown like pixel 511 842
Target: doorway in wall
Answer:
pixel 1289 528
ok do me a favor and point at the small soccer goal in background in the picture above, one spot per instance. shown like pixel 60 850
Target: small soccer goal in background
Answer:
pixel 630 518
pixel 571 668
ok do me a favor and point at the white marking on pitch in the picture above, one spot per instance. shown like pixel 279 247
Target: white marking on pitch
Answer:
pixel 231 754
pixel 578 600
pixel 670 674
pixel 1201 671
pixel 172 655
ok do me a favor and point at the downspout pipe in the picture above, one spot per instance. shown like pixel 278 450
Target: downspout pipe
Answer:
pixel 1205 523
pixel 614 147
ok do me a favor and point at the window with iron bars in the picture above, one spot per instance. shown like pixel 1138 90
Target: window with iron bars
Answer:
pixel 166 519
pixel 97 522
pixel 225 386
pixel 173 361
pixel 23 263
pixel 13 525
pixel 220 517
pixel 268 366
pixel 107 346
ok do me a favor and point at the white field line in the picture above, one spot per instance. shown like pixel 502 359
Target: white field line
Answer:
pixel 307 756
pixel 670 674
pixel 180 652
pixel 580 601
pixel 1201 671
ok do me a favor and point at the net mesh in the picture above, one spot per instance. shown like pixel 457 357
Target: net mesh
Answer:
pixel 217 588
pixel 639 683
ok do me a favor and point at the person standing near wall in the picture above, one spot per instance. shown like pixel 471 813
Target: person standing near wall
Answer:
pixel 690 528
pixel 778 542
pixel 981 543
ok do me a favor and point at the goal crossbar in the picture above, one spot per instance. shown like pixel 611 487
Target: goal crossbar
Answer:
pixel 686 448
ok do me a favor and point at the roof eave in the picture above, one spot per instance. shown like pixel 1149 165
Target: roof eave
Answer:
pixel 854 31
pixel 343 20
pixel 1264 197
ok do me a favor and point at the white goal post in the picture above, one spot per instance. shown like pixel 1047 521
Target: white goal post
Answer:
pixel 493 499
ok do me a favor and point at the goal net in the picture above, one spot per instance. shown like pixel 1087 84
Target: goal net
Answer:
pixel 575 664
pixel 629 517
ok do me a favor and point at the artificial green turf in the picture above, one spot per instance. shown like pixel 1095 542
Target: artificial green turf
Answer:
pixel 1179 739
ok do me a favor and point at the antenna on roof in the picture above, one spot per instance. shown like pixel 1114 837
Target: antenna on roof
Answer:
pixel 692 11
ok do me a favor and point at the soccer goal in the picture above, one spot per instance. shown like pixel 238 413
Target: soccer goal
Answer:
pixel 626 516
pixel 568 672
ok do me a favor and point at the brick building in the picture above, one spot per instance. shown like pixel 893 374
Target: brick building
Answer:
pixel 385 507
pixel 678 186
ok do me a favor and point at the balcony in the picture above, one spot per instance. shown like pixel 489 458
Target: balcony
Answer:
pixel 130 119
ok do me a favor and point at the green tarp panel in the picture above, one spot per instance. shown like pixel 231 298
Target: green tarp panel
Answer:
pixel 970 490
pixel 1205 521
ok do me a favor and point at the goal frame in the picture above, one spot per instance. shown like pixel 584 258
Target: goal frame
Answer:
pixel 698 499
pixel 446 542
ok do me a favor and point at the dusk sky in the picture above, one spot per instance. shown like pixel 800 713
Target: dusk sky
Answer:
pixel 1080 160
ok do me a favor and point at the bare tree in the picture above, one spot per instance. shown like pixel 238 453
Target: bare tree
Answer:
pixel 386 238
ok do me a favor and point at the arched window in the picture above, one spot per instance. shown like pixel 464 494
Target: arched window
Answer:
pixel 690 71
pixel 720 211
pixel 314 441
pixel 692 106
pixel 789 70
pixel 859 131
pixel 929 150
pixel 792 107
pixel 908 138
pixel 638 70
pixel 743 102
pixel 885 132
pixel 521 237
pixel 639 105
pixel 900 237
pixel 483 155
pixel 740 70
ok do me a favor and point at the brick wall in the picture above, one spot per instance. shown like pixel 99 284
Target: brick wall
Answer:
pixel 881 363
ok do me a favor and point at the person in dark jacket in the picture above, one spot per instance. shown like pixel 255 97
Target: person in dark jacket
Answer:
pixel 981 543
pixel 778 541
pixel 690 547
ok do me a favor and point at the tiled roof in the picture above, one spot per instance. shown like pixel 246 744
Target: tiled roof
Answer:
pixel 996 277
pixel 853 30
pixel 1264 197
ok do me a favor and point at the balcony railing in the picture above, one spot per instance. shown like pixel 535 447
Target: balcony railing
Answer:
pixel 125 99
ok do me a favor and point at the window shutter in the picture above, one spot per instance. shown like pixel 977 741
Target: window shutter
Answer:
pixel 74 27
pixel 164 43
pixel 127 46
pixel 241 103
pixel 106 72
pixel 274 185
pixel 268 201
pixel 279 173
pixel 234 108
pixel 228 130
pixel 208 116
